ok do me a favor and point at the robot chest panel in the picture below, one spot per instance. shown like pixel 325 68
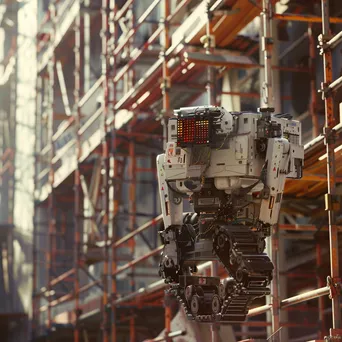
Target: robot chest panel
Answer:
pixel 236 158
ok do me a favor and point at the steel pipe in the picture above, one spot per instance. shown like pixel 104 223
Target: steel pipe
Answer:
pixel 331 167
pixel 77 175
pixel 333 42
pixel 114 165
pixel 140 51
pixel 140 21
pixel 313 90
pixel 138 231
pixel 165 89
pixel 63 88
pixel 106 297
pixel 137 261
pixel 335 85
pixel 152 38
pixel 121 12
pixel 323 291
pixel 294 45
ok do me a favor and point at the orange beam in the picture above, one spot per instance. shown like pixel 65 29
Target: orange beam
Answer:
pixel 305 18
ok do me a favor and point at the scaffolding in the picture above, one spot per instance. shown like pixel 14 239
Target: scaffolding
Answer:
pixel 117 151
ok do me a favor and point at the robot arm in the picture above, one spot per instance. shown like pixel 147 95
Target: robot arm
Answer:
pixel 284 159
pixel 172 210
pixel 171 202
pixel 277 160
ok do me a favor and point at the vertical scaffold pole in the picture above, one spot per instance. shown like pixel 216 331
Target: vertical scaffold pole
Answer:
pixel 166 82
pixel 77 185
pixel 211 94
pixel 105 169
pixel 132 200
pixel 166 109
pixel 86 46
pixel 329 140
pixel 268 100
pixel 313 90
pixel 129 81
pixel 208 44
pixel 132 332
pixel 51 198
pixel 320 283
pixel 266 48
pixel 114 207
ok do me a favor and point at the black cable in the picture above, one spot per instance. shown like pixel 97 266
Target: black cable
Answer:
pixel 176 191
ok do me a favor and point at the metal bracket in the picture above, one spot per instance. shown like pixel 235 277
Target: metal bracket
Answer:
pixel 329 135
pixel 332 202
pixel 208 41
pixel 325 90
pixel 323 45
pixel 334 287
pixel 165 84
pixel 329 42
pixel 266 42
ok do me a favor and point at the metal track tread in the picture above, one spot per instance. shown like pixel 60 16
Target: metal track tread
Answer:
pixel 240 251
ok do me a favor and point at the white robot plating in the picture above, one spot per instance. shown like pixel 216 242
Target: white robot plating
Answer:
pixel 232 167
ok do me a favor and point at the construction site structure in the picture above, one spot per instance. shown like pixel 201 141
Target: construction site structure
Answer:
pixel 85 99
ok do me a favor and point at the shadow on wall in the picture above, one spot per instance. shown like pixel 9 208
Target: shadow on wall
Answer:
pixel 15 269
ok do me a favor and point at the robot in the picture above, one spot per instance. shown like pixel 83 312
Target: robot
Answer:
pixel 230 167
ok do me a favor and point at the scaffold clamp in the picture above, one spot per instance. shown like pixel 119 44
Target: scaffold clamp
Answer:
pixel 329 135
pixel 334 287
pixel 165 84
pixel 323 44
pixel 208 41
pixel 325 90
pixel 332 202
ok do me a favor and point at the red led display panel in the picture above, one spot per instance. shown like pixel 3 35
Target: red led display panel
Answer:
pixel 192 131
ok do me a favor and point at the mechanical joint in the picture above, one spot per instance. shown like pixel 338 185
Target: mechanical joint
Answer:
pixel 208 41
pixel 323 45
pixel 165 85
pixel 335 287
pixel 325 90
pixel 332 202
pixel 329 135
